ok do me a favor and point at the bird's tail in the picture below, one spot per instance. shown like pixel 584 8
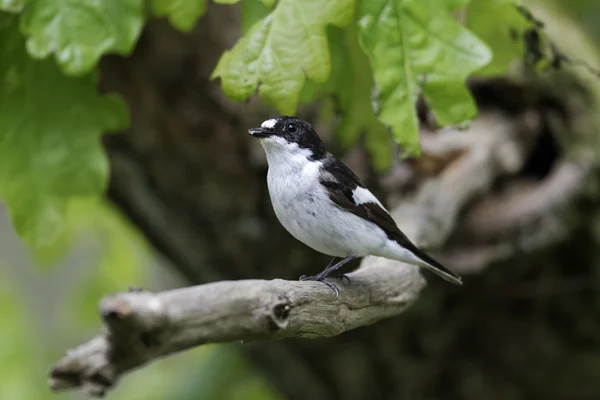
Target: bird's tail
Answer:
pixel 434 266
pixel 442 271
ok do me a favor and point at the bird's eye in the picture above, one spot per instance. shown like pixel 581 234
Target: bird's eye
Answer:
pixel 291 128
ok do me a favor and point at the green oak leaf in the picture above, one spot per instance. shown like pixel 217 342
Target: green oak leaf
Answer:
pixel 252 12
pixel 414 45
pixel 281 51
pixel 50 127
pixel 268 3
pixel 501 26
pixel 182 14
pixel 450 101
pixel 353 101
pixel 80 32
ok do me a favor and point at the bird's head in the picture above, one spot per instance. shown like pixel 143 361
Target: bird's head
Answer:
pixel 289 135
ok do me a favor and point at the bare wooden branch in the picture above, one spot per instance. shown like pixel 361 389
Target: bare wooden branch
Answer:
pixel 522 204
pixel 140 327
pixel 491 148
pixel 525 217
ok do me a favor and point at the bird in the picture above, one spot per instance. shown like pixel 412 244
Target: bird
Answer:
pixel 324 205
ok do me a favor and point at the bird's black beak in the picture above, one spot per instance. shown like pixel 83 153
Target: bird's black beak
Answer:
pixel 259 132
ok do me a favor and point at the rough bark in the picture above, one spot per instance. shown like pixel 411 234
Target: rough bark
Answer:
pixel 141 327
pixel 187 174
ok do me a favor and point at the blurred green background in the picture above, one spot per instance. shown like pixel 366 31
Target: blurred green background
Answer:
pixel 48 303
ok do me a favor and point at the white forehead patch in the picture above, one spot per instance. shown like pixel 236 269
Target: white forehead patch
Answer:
pixel 269 124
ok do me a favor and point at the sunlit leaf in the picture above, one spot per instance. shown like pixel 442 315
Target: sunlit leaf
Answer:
pixel 252 12
pixel 413 44
pixel 80 32
pixel 350 64
pixel 501 27
pixel 281 51
pixel 50 128
pixel 183 14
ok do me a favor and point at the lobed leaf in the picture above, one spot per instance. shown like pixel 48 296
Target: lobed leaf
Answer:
pixel 501 26
pixel 80 32
pixel 418 44
pixel 50 127
pixel 281 51
pixel 351 82
pixel 252 12
pixel 182 14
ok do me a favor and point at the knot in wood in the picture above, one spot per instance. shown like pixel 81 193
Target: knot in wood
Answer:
pixel 278 317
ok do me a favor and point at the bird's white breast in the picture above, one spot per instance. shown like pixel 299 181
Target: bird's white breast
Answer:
pixel 303 207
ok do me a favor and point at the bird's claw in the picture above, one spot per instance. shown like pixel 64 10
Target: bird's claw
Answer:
pixel 322 278
pixel 331 286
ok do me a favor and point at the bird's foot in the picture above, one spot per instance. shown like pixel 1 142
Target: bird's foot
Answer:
pixel 323 278
pixel 330 271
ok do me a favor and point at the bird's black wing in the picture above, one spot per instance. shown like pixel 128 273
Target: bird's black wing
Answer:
pixel 341 183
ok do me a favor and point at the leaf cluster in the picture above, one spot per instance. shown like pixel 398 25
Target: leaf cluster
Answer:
pixel 371 59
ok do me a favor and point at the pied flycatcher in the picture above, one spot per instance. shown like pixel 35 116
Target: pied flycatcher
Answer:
pixel 320 201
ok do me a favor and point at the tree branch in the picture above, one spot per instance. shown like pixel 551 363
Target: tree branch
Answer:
pixel 140 327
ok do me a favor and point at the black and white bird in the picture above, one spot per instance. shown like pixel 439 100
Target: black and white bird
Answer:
pixel 323 204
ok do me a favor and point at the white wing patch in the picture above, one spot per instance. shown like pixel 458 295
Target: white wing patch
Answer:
pixel 362 195
pixel 269 124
